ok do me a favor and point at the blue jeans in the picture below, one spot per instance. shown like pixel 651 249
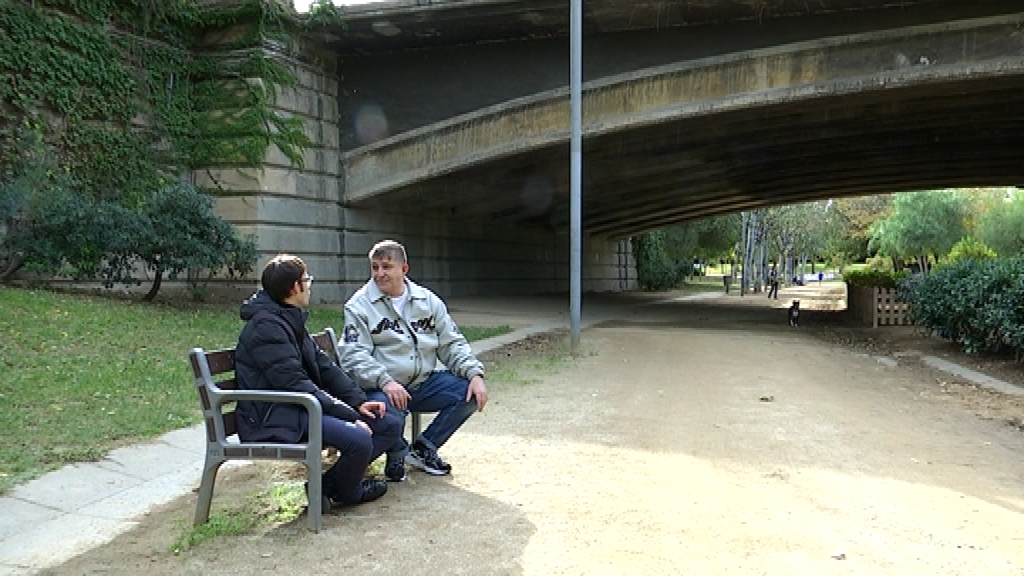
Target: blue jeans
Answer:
pixel 356 448
pixel 444 393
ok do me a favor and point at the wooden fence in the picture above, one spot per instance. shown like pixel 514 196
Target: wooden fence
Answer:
pixel 870 306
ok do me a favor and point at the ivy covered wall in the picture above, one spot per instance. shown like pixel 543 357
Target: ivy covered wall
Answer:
pixel 105 102
pixel 133 92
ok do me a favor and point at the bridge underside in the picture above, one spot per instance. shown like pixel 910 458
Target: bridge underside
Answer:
pixel 916 108
pixel 952 134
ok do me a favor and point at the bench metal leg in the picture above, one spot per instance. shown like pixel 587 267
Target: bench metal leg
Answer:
pixel 417 425
pixel 206 490
pixel 315 509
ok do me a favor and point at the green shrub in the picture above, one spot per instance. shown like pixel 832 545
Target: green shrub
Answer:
pixel 874 278
pixel 655 270
pixel 979 304
pixel 184 233
pixel 969 249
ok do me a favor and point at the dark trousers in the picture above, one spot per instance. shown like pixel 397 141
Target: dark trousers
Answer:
pixel 773 290
pixel 343 482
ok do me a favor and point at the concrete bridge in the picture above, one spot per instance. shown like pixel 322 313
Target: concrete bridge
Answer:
pixel 446 125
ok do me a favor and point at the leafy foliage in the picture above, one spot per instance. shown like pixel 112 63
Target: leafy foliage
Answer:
pixel 114 99
pixel 978 304
pixel 184 233
pixel 875 278
pixel 664 256
pixel 655 268
pixel 1002 227
pixel 969 249
pixel 923 225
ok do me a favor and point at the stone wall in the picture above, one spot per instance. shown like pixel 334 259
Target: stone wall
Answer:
pixel 454 258
pixel 286 209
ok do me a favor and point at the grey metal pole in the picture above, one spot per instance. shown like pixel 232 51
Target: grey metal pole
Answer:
pixel 576 163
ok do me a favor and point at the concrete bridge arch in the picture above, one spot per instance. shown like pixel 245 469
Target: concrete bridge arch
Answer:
pixel 945 91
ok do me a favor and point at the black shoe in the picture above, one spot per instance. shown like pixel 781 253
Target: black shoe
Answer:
pixel 395 471
pixel 372 490
pixel 427 460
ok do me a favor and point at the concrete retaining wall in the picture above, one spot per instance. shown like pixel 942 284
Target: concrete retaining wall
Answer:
pixel 454 258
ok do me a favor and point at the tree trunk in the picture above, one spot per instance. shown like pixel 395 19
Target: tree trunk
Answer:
pixel 9 264
pixel 158 277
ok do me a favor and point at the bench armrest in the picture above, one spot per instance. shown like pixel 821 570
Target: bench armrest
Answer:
pixel 307 400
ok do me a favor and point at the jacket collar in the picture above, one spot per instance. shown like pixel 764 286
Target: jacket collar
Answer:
pixel 416 292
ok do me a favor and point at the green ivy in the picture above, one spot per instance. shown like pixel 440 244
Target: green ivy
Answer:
pixel 655 269
pixel 104 103
pixel 129 96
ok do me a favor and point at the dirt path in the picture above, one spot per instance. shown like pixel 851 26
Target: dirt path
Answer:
pixel 690 438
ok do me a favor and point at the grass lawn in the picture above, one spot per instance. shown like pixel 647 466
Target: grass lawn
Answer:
pixel 80 375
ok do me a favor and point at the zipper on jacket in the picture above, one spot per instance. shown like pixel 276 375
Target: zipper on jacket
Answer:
pixel 418 366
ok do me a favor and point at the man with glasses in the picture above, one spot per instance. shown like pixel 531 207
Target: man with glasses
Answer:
pixel 275 352
pixel 396 332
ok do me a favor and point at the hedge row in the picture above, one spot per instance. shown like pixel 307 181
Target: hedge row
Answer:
pixel 879 278
pixel 979 304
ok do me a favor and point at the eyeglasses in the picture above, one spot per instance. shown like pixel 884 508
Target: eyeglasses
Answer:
pixel 307 279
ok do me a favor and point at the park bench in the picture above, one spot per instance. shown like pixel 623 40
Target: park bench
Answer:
pixel 218 394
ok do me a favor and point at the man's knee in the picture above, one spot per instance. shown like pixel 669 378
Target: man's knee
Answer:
pixel 392 425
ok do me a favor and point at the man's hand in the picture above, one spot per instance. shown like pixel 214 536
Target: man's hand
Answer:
pixel 372 409
pixel 477 389
pixel 397 394
pixel 364 426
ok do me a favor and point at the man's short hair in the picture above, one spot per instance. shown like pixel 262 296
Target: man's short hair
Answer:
pixel 388 249
pixel 280 274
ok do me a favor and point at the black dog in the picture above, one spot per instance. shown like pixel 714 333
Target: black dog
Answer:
pixel 794 313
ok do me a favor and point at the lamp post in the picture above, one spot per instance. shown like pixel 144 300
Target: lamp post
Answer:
pixel 575 169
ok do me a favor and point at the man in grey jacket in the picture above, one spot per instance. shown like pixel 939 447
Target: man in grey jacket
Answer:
pixel 396 332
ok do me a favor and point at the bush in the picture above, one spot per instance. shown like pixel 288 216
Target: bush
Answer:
pixel 969 249
pixel 184 233
pixel 875 278
pixel 979 304
pixel 654 269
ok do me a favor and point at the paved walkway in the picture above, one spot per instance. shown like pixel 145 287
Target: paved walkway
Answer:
pixel 71 510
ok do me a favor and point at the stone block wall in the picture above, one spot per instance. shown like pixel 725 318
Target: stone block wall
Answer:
pixel 456 259
pixel 293 210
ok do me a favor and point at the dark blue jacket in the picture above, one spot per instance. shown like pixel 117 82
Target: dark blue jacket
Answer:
pixel 275 352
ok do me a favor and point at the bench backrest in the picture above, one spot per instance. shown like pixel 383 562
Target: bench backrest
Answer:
pixel 216 369
pixel 328 342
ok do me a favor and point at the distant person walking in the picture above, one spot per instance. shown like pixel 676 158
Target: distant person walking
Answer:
pixel 773 283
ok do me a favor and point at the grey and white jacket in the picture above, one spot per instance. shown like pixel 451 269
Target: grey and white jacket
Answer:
pixel 379 345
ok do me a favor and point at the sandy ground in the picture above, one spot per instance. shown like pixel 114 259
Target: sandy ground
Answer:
pixel 688 438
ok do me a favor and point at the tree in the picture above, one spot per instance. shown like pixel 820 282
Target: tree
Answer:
pixel 923 225
pixel 850 222
pixel 184 233
pixel 1002 227
pixel 664 255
